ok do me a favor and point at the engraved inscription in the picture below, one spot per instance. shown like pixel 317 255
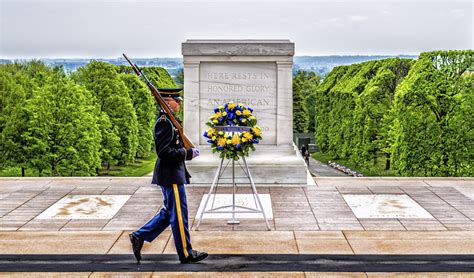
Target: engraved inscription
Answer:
pixel 250 83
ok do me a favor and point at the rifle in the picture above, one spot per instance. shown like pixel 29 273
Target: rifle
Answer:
pixel 186 142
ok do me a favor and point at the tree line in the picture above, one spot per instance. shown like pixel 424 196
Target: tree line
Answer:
pixel 72 125
pixel 416 115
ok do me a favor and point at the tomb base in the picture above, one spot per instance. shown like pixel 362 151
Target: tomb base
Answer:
pixel 268 165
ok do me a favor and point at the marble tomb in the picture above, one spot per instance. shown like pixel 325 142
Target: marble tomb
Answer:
pixel 257 73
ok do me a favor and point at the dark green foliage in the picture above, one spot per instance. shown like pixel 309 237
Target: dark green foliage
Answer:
pixel 352 103
pixel 158 76
pixel 14 84
pixel 63 136
pixel 372 112
pixel 417 115
pixel 304 84
pixel 304 102
pixel 179 78
pixel 433 116
pixel 47 122
pixel 144 103
pixel 52 124
pixel 112 99
pixel 145 111
pixel 323 106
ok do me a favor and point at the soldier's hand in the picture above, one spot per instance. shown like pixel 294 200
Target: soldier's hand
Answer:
pixel 195 152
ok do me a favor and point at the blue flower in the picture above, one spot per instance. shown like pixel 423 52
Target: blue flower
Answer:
pixel 209 141
pixel 205 134
pixel 237 146
pixel 250 109
pixel 255 141
pixel 220 147
pixel 216 110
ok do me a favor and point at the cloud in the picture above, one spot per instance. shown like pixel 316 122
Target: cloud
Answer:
pixel 357 18
pixel 147 28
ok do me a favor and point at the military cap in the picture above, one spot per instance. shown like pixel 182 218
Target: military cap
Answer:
pixel 171 92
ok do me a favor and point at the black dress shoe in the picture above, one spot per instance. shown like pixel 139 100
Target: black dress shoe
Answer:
pixel 137 244
pixel 194 257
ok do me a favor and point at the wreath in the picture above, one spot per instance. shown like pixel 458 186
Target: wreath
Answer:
pixel 233 131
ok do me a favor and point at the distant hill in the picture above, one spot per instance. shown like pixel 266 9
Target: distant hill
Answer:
pixel 322 65
pixel 319 64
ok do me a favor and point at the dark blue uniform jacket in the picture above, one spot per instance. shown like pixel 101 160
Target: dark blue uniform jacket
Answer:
pixel 170 167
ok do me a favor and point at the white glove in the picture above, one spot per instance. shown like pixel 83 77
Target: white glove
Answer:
pixel 195 152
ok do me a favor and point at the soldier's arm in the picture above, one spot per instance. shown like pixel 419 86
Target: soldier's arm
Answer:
pixel 164 143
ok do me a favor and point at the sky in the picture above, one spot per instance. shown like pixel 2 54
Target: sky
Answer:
pixel 156 28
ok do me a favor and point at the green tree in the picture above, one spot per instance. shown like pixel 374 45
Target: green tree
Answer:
pixel 309 84
pixel 323 107
pixel 179 78
pixel 145 111
pixel 63 137
pixel 342 98
pixel 432 130
pixel 18 82
pixel 12 118
pixel 300 111
pixel 372 107
pixel 352 104
pixel 160 78
pixel 111 97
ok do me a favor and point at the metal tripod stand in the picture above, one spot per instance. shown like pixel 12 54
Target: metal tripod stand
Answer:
pixel 243 209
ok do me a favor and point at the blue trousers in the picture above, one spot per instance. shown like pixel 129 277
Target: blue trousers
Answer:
pixel 174 213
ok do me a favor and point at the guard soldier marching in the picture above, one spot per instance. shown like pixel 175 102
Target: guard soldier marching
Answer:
pixel 171 175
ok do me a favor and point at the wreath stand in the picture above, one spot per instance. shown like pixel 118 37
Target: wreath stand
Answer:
pixel 213 191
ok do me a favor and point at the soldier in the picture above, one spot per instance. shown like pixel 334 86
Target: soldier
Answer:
pixel 171 174
pixel 307 155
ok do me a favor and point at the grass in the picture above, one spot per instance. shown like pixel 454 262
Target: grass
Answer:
pixel 139 168
pixel 377 170
pixel 16 172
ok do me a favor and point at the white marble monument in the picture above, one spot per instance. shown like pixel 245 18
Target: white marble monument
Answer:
pixel 258 74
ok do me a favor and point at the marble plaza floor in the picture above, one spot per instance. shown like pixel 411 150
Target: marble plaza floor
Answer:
pixel 339 216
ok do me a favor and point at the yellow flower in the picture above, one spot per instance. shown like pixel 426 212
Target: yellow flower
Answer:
pixel 221 133
pixel 244 120
pixel 229 142
pixel 213 138
pixel 247 113
pixel 221 107
pixel 231 105
pixel 235 139
pixel 221 142
pixel 224 113
pixel 215 121
pixel 252 118
pixel 238 112
pixel 248 135
pixel 241 105
pixel 211 132
pixel 244 140
pixel 217 115
pixel 257 131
